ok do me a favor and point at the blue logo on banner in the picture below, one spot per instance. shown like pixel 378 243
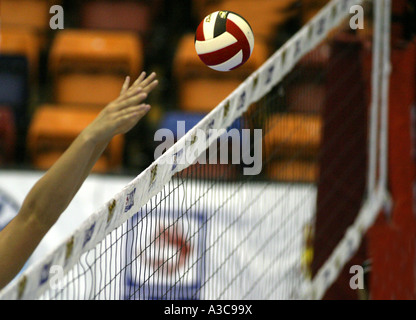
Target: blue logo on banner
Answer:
pixel 176 158
pixel 210 127
pixel 269 74
pixel 321 26
pixel 129 200
pixel 167 258
pixel 297 48
pixel 88 234
pixel 242 101
pixel 44 275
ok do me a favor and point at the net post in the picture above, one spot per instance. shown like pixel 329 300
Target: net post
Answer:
pixel 392 238
pixel 337 286
pixel 375 96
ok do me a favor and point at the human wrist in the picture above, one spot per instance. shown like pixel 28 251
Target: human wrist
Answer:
pixel 93 138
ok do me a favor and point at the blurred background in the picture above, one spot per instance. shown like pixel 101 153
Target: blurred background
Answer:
pixel 53 82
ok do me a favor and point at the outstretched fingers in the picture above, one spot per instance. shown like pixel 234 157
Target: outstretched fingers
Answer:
pixel 135 110
pixel 141 77
pixel 130 94
pixel 147 84
pixel 151 86
pixel 141 85
pixel 130 116
pixel 125 86
pixel 132 101
pixel 142 82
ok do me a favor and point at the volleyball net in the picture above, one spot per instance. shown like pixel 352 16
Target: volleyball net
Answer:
pixel 267 197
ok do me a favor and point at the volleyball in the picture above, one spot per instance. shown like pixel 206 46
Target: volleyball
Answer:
pixel 224 40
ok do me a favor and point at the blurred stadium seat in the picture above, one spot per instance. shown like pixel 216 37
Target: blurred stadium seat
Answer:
pixel 33 14
pixel 294 134
pixel 7 135
pixel 200 88
pixel 300 132
pixel 23 42
pixel 14 90
pixel 299 171
pixel 128 15
pixel 30 15
pixel 52 130
pixel 89 67
pixel 169 120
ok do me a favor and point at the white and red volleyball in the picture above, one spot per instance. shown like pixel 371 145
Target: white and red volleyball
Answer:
pixel 224 40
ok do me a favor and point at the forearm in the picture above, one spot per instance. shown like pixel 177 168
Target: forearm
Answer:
pixel 44 204
pixel 54 191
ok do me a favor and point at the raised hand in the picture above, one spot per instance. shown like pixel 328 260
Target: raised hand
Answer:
pixel 122 114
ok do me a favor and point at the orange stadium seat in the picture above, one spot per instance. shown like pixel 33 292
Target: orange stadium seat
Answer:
pixel 290 131
pixel 23 42
pixel 52 130
pixel 33 14
pixel 300 171
pixel 28 14
pixel 89 67
pixel 200 88
pixel 129 15
pixel 294 140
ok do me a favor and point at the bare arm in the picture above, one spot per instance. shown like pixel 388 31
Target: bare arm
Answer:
pixel 50 196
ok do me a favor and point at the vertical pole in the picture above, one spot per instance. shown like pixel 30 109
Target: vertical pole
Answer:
pixel 374 111
pixel 384 95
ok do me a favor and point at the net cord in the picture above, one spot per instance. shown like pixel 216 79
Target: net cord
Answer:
pixel 33 282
